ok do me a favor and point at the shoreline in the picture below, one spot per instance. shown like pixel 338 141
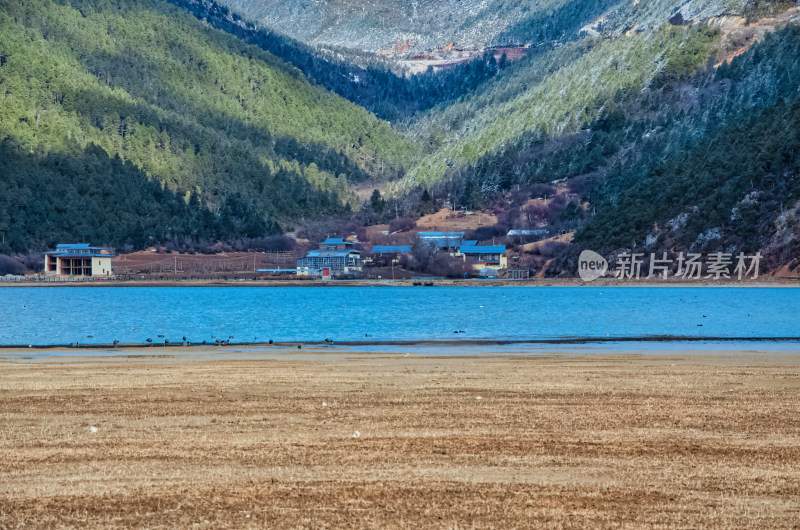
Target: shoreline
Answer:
pixel 426 343
pixel 767 282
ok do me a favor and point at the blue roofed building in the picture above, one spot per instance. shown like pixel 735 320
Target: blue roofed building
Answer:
pixel 77 259
pixel 487 256
pixel 382 255
pixel 391 249
pixel 449 241
pixel 441 235
pixel 335 243
pixel 334 257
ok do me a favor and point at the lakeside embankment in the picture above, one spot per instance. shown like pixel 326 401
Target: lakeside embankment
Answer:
pixel 10 351
pixel 425 282
pixel 334 438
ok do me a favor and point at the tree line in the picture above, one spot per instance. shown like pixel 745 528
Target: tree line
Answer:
pixel 94 198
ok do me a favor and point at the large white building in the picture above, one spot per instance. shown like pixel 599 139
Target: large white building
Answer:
pixel 334 257
pixel 77 260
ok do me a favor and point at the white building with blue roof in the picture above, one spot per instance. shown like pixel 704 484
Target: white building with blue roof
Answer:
pixel 334 257
pixel 485 256
pixel 77 259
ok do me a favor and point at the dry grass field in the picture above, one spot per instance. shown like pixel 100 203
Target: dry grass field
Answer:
pixel 355 440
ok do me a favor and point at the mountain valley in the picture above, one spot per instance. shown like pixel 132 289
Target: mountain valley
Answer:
pixel 659 125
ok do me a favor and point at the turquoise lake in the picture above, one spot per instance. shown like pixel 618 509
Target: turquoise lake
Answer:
pixel 99 315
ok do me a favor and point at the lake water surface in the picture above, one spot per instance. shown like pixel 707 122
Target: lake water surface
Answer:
pixel 65 315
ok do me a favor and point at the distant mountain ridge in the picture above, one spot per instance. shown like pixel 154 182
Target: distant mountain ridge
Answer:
pixel 373 25
pixel 378 25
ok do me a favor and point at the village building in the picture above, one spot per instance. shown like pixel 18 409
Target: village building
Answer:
pixel 78 260
pixel 441 236
pixel 335 244
pixel 384 255
pixel 445 241
pixel 528 235
pixel 334 257
pixel 483 257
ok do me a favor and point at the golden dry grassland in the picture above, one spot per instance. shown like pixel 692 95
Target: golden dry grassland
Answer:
pixel 357 440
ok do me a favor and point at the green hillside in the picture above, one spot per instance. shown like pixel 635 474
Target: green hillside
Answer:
pixel 555 94
pixel 49 199
pixel 620 104
pixel 194 108
pixel 695 158
pixel 721 177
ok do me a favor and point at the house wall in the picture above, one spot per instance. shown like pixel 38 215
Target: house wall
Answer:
pixel 493 261
pixel 50 264
pixel 337 265
pixel 385 259
pixel 74 266
pixel 94 266
pixel 101 266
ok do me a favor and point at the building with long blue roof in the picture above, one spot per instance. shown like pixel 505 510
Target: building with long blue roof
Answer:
pixel 449 241
pixel 391 249
pixel 441 235
pixel 485 256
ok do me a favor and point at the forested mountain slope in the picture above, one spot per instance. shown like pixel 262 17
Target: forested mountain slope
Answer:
pixel 475 23
pixel 555 94
pixel 375 83
pixel 680 157
pixel 195 109
pixel 630 107
pixel 93 197
pixel 375 25
pixel 723 175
